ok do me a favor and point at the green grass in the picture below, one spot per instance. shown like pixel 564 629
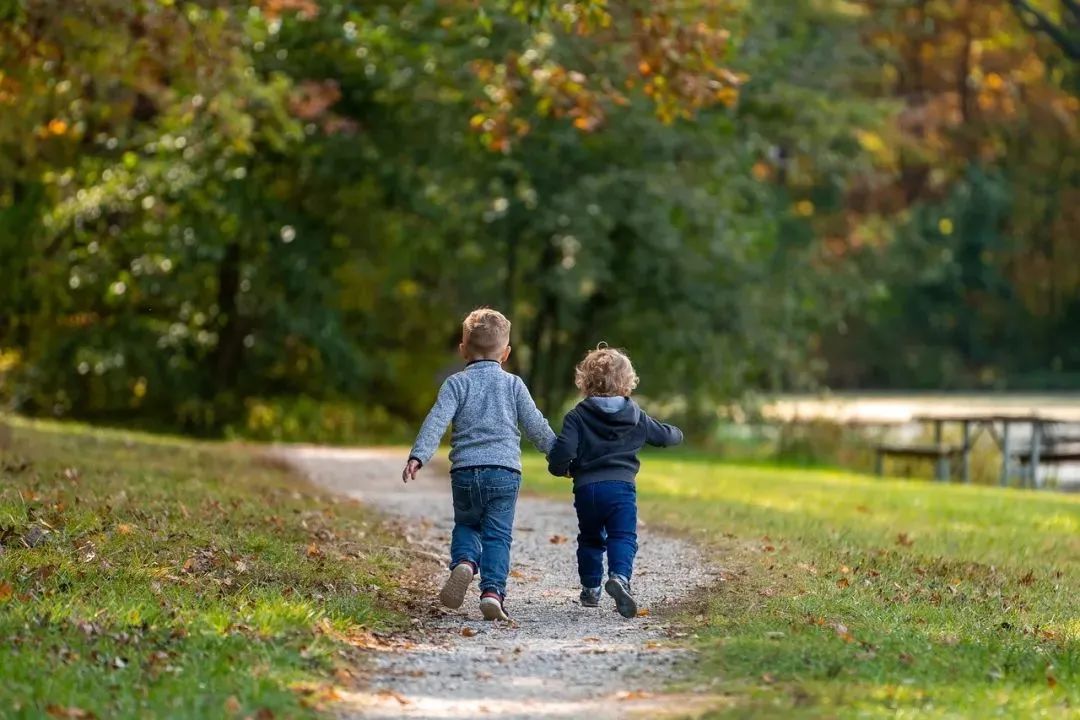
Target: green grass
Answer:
pixel 850 597
pixel 176 579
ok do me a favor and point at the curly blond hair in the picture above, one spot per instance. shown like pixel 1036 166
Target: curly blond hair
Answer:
pixel 605 372
pixel 485 333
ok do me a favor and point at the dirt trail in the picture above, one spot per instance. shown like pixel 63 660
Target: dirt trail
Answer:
pixel 556 659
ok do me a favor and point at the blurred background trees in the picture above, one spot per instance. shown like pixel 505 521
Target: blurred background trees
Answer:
pixel 270 216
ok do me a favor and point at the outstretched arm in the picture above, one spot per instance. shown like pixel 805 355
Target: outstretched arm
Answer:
pixel 661 434
pixel 532 421
pixel 564 451
pixel 431 432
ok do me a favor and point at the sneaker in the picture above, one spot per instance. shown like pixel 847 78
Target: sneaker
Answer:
pixel 590 597
pixel 453 590
pixel 618 587
pixel 491 606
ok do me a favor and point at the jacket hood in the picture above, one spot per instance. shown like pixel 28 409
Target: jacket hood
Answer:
pixel 610 425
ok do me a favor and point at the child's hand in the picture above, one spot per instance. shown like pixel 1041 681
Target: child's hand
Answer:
pixel 411 468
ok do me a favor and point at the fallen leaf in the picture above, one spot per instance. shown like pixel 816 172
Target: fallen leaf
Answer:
pixel 517 574
pixel 767 548
pixel 5 590
pixel 313 551
pixel 843 583
pixel 401 699
pixel 903 539
pixel 34 537
pixel 125 529
pixel 232 705
pixel 643 612
pixel 70 711
pixel 842 632
pixel 557 539
pixel 468 631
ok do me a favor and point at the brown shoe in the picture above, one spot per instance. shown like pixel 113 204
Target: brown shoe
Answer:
pixel 453 590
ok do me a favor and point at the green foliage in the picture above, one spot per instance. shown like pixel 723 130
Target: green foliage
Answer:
pixel 137 575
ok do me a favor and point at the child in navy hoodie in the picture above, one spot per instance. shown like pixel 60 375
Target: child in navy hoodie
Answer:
pixel 598 447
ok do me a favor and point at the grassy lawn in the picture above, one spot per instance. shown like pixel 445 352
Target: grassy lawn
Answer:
pixel 848 596
pixel 151 577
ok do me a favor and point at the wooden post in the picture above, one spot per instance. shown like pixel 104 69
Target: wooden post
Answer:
pixel 941 470
pixel 1036 442
pixel 1006 451
pixel 965 470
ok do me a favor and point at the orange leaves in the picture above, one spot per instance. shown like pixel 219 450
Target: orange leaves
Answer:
pixel 305 9
pixel 5 591
pixel 675 57
pixel 311 99
pixel 679 61
pixel 557 539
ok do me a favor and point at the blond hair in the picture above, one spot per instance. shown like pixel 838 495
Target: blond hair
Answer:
pixel 485 333
pixel 605 372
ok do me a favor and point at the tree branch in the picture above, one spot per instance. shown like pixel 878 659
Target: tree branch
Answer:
pixel 1038 22
pixel 1073 6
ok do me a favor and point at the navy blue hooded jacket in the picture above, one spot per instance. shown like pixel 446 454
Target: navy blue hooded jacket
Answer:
pixel 600 441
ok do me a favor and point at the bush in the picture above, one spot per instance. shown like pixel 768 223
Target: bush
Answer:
pixel 304 419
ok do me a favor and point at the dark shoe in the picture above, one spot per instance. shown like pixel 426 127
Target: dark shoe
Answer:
pixel 618 587
pixel 455 587
pixel 491 606
pixel 590 597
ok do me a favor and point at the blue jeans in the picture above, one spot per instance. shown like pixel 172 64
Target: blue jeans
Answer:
pixel 484 503
pixel 607 521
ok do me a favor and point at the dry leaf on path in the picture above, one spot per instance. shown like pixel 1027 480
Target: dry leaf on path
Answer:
pixel 468 632
pixel 643 612
pixel 557 539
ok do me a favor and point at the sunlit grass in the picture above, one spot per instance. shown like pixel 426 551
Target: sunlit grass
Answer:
pixel 175 579
pixel 848 596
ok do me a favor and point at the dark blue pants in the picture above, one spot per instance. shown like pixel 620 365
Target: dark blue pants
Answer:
pixel 484 502
pixel 607 521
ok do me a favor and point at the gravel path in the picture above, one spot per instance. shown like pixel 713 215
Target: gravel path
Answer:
pixel 555 659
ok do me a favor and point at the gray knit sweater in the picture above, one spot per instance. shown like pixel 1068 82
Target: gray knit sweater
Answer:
pixel 486 405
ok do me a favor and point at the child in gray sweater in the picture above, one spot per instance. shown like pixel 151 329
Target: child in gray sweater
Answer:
pixel 485 405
